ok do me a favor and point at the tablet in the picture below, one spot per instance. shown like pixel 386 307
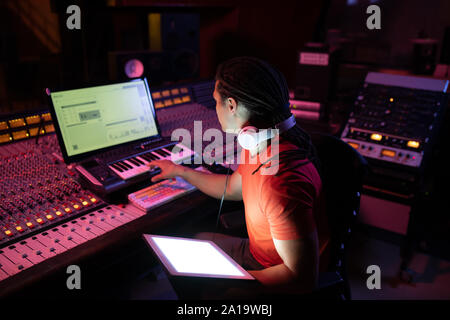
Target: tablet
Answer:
pixel 195 258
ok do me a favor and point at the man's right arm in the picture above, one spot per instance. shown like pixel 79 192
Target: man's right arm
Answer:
pixel 209 183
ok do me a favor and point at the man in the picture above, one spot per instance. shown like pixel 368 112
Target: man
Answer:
pixel 283 210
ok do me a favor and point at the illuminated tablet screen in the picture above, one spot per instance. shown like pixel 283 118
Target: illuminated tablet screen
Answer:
pixel 197 258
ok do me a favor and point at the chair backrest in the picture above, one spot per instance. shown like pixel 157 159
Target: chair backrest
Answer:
pixel 342 170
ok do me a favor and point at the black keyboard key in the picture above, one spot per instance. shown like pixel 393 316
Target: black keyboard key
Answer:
pixel 118 168
pixel 147 156
pixel 138 161
pixel 161 152
pixel 133 161
pixel 122 165
pixel 126 164
pixel 165 152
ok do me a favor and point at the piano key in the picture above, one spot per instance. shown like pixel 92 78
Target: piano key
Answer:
pixel 130 164
pixel 138 160
pixel 121 165
pixel 154 156
pixel 117 167
pixel 161 153
pixel 133 161
pixel 139 168
pixel 143 160
pixel 147 157
pixel 125 164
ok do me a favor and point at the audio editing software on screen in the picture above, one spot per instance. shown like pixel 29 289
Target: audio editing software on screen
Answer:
pixel 104 116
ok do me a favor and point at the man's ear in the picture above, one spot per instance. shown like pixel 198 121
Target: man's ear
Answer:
pixel 232 105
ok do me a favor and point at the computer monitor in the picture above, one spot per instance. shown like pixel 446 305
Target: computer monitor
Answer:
pixel 93 119
pixel 195 258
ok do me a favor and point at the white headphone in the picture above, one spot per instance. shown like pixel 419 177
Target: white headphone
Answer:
pixel 249 137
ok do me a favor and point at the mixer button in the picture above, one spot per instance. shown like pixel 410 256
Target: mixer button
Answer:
pixel 78 229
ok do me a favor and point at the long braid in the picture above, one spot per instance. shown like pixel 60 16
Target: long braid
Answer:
pixel 264 92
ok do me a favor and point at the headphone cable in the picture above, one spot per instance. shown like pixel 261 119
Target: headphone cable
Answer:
pixel 221 202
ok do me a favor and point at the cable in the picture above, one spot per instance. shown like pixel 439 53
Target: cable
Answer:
pixel 221 202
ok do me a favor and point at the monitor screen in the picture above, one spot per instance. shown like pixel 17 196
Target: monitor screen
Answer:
pixel 99 117
pixel 192 257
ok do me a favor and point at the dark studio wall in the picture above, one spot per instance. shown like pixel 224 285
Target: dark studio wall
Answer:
pixel 272 31
pixel 35 44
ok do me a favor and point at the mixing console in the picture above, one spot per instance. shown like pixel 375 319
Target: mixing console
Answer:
pixel 44 245
pixel 185 116
pixel 36 189
pixel 45 212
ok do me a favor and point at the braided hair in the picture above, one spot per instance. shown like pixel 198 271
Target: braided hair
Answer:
pixel 263 91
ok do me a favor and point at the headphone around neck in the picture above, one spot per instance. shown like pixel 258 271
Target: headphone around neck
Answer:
pixel 250 137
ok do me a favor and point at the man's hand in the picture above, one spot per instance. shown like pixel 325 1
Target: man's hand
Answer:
pixel 168 169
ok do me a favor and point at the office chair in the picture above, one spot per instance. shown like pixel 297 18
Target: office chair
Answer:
pixel 342 170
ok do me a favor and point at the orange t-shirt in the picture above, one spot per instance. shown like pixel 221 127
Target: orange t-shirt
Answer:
pixel 284 207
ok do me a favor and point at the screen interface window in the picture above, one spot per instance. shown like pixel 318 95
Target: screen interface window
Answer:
pixel 104 116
